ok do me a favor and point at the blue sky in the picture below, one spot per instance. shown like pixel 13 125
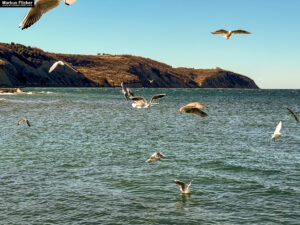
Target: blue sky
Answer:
pixel 176 32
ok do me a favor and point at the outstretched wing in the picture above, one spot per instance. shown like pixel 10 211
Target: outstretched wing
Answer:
pixel 131 95
pixel 221 31
pixel 139 98
pixel 194 110
pixel 69 2
pixel 27 121
pixel 278 128
pixel 180 184
pixel 20 121
pixel 71 67
pixel 36 12
pixel 53 67
pixel 157 97
pixel 240 32
pixel 293 114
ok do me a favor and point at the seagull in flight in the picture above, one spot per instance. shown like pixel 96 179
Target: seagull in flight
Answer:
pixel 277 131
pixel 185 189
pixel 227 33
pixel 194 108
pixel 61 63
pixel 293 114
pixel 140 102
pixel 24 120
pixel 156 156
pixel 40 8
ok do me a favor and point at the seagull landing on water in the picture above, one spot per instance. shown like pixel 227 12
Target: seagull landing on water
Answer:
pixel 126 92
pixel 156 156
pixel 61 63
pixel 140 102
pixel 40 8
pixel 24 120
pixel 194 108
pixel 227 33
pixel 183 188
pixel 277 131
pixel 293 114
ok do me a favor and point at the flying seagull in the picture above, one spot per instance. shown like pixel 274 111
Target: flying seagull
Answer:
pixel 183 188
pixel 61 63
pixel 24 120
pixel 293 114
pixel 194 108
pixel 156 156
pixel 126 92
pixel 140 102
pixel 40 8
pixel 277 131
pixel 227 33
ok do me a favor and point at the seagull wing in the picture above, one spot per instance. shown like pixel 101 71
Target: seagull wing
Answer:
pixel 27 121
pixel 69 2
pixel 240 32
pixel 293 114
pixel 53 67
pixel 36 12
pixel 71 67
pixel 180 184
pixel 139 98
pixel 157 97
pixel 20 121
pixel 221 31
pixel 131 94
pixel 197 105
pixel 195 111
pixel 278 128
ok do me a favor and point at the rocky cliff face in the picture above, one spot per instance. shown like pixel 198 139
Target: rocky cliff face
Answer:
pixel 26 66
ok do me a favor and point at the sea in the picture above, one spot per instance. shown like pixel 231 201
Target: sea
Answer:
pixel 82 160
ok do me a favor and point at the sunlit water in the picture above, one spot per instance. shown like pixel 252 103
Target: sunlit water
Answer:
pixel 83 159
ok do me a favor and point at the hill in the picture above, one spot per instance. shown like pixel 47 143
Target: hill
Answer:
pixel 27 66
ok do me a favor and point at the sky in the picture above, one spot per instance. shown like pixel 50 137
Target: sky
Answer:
pixel 175 32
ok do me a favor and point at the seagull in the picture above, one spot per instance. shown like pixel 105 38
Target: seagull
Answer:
pixel 40 8
pixel 156 156
pixel 293 114
pixel 227 34
pixel 183 188
pixel 140 102
pixel 195 108
pixel 126 91
pixel 24 120
pixel 277 131
pixel 61 63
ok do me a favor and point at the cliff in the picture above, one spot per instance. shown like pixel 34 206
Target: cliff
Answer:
pixel 27 66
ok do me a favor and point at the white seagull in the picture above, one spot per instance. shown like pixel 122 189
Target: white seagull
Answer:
pixel 277 131
pixel 227 33
pixel 61 63
pixel 40 8
pixel 140 102
pixel 156 156
pixel 24 120
pixel 183 188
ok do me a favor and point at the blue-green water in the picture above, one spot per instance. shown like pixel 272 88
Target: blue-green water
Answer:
pixel 83 159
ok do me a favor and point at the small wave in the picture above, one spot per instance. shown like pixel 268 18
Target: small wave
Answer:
pixel 7 93
pixel 45 92
pixel 2 99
